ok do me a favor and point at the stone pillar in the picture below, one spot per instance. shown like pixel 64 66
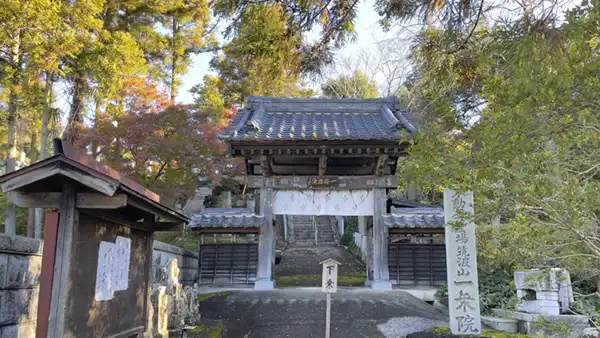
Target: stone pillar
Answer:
pixel 251 204
pixel 226 199
pixel 381 274
pixel 266 243
pixel 461 264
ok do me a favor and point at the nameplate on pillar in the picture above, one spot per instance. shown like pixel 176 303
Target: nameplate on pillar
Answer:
pixel 461 262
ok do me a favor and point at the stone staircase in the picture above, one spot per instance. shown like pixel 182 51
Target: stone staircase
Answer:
pixel 304 233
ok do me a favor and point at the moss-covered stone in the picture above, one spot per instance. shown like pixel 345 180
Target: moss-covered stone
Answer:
pixel 208 296
pixel 315 280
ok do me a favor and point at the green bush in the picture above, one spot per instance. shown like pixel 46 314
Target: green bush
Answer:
pixel 350 227
pixel 347 238
pixel 496 291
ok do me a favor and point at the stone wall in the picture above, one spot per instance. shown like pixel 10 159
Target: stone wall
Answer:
pixel 187 261
pixel 20 268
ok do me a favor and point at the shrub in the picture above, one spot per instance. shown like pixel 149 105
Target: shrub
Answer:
pixel 496 290
pixel 347 238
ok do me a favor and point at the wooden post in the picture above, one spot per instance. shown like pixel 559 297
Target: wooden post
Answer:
pixel 148 273
pixel 328 316
pixel 285 228
pixel 381 275
pixel 266 243
pixel 65 252
pixel 362 229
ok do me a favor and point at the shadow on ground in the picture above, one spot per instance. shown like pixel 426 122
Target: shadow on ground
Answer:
pixel 300 313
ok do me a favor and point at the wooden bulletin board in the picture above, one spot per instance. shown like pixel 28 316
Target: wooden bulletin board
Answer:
pixel 125 314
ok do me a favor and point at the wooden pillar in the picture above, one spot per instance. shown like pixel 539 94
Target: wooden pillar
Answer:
pixel 340 222
pixel 381 275
pixel 64 255
pixel 285 228
pixel 266 243
pixel 362 229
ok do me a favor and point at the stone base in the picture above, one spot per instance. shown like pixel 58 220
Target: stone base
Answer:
pixel 526 323
pixel 381 285
pixel 501 324
pixel 543 307
pixel 265 284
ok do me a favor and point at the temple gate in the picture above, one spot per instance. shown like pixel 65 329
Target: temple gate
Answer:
pixel 335 157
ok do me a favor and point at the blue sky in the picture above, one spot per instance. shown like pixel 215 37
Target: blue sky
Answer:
pixel 366 27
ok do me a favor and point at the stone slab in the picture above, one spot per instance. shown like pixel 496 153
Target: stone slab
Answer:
pixel 18 331
pixel 500 324
pixel 544 307
pixel 18 306
pixel 23 272
pixel 381 285
pixel 264 285
pixel 3 269
pixel 20 244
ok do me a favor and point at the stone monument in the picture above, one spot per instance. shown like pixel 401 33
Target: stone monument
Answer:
pixel 461 262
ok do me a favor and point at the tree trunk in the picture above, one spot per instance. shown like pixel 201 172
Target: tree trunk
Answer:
pixel 97 117
pixel 31 212
pixel 11 160
pixel 76 112
pixel 174 62
pixel 598 285
pixel 46 112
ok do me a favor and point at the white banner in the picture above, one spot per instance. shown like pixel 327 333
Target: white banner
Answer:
pixel 323 202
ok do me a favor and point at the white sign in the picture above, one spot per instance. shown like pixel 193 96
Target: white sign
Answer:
pixel 323 202
pixel 112 273
pixel 330 269
pixel 461 263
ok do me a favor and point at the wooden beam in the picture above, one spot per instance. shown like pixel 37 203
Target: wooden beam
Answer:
pixel 52 200
pixel 104 186
pixel 114 217
pixel 28 178
pixel 322 165
pixel 153 210
pixel 168 226
pixel 34 200
pixel 306 182
pixel 227 230
pixel 417 230
pixel 99 201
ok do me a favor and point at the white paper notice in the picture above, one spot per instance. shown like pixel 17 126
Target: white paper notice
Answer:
pixel 112 273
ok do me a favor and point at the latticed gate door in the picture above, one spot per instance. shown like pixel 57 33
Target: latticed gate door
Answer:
pixel 228 264
pixel 417 264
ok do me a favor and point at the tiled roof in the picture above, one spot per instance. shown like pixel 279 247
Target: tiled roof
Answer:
pixel 415 218
pixel 226 218
pixel 267 119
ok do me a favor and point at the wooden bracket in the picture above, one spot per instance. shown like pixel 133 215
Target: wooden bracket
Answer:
pixel 322 165
pixel 381 164
pixel 265 165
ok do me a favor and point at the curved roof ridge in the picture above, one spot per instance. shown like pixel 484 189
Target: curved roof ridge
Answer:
pixel 269 99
